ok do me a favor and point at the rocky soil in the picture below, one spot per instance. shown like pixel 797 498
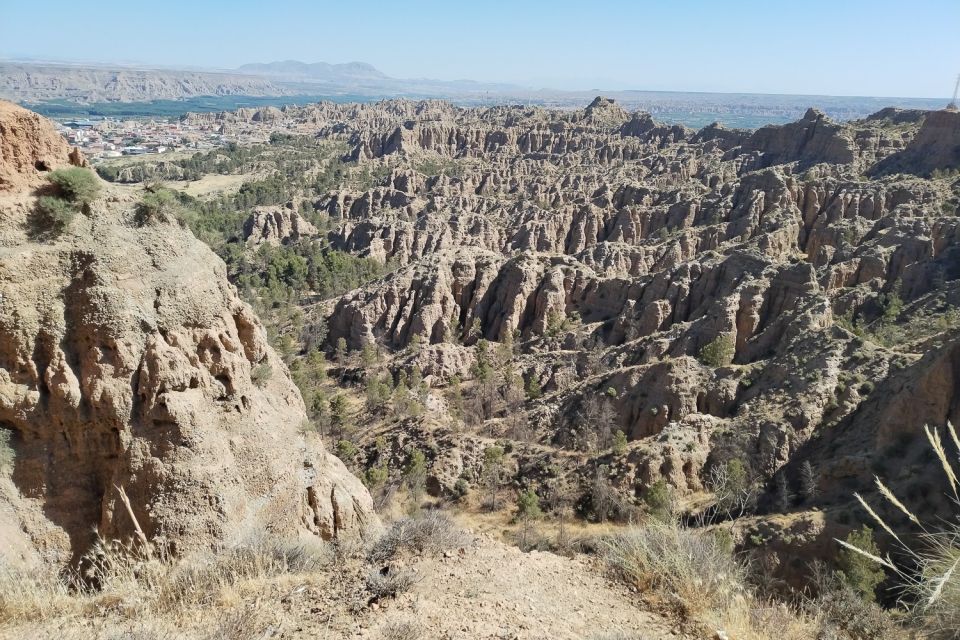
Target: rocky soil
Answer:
pixel 483 590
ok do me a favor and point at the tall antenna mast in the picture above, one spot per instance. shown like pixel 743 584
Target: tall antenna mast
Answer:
pixel 956 88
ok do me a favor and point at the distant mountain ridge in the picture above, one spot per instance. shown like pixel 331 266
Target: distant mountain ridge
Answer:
pixel 62 84
pixel 317 71
pixel 37 82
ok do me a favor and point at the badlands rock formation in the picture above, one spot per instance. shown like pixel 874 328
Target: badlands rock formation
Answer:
pixel 129 364
pixel 276 225
pixel 819 250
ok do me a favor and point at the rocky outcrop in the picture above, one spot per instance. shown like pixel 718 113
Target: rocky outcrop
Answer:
pixel 811 140
pixel 775 296
pixel 30 147
pixel 128 363
pixel 276 225
pixel 935 147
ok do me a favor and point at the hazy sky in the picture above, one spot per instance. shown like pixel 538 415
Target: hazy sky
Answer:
pixel 841 47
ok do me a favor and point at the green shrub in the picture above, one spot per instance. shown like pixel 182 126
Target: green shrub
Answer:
pixel 528 506
pixel 619 446
pixel 157 205
pixel 415 477
pixel 76 184
pixel 52 215
pixel 378 394
pixel 261 374
pixel 533 388
pixel 659 500
pixel 346 450
pixel 842 612
pixel 376 477
pixel 7 454
pixel 461 488
pixel 859 572
pixel 719 352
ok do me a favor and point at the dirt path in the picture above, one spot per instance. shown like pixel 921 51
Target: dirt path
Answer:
pixel 494 591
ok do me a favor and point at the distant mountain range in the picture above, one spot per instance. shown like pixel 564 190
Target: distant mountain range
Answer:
pixel 65 86
pixel 294 70
pixel 35 82
pixel 365 79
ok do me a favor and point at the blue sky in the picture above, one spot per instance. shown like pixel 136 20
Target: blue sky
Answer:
pixel 839 47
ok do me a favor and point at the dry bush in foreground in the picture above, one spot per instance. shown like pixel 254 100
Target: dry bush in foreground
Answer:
pixel 842 612
pixel 401 630
pixel 693 566
pixel 133 579
pixel 199 578
pixel 36 593
pixel 390 582
pixel 931 571
pixel 698 574
pixel 430 532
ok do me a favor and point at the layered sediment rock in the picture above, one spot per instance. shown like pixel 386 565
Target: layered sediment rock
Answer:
pixel 129 364
pixel 276 225
pixel 605 233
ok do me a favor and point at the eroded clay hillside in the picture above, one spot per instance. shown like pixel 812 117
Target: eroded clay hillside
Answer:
pixel 129 367
pixel 523 317
pixel 785 297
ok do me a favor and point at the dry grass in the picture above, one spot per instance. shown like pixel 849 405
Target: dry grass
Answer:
pixel 401 630
pixel 132 582
pixel 698 576
pixel 216 183
pixel 931 569
pixel 430 532
pixel 136 591
pixel 36 593
pixel 390 582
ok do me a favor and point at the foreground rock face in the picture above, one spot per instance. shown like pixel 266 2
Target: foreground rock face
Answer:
pixel 29 146
pixel 127 361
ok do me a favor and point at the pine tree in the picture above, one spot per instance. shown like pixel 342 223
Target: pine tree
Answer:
pixel 415 477
pixel 533 387
pixel 860 573
pixel 619 443
pixel 528 511
pixel 782 492
pixel 808 481
pixel 492 473
pixel 338 414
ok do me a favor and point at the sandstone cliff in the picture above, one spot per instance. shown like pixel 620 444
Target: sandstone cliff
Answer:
pixel 128 361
